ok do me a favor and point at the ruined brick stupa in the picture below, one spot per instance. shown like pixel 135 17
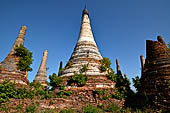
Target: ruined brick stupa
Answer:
pixel 8 67
pixel 41 76
pixel 155 77
pixel 87 53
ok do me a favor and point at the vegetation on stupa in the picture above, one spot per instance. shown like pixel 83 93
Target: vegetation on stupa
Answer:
pixel 105 64
pixel 80 78
pixel 169 46
pixel 25 58
pixel 134 102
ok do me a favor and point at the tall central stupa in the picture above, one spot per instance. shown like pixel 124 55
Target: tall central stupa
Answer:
pixel 85 52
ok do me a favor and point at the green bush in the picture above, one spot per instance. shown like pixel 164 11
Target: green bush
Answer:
pixel 105 64
pixel 100 92
pixel 31 108
pixel 7 91
pixel 112 108
pixel 0 68
pixel 25 58
pixel 136 83
pixel 111 76
pixel 91 109
pixel 79 79
pixel 169 46
pixel 68 65
pixel 67 111
pixel 84 69
pixel 55 81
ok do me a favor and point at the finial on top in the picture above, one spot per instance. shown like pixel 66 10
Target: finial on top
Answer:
pixel 85 11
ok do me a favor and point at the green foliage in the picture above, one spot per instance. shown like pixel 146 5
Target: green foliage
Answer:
pixel 84 68
pixel 68 65
pixel 7 91
pixel 25 58
pixel 112 108
pixel 105 64
pixel 169 46
pixel 136 83
pixel 31 108
pixel 4 108
pixel 100 92
pixel 60 71
pixel 91 109
pixel 0 68
pixel 21 93
pixel 55 81
pixel 63 93
pixel 79 79
pixel 67 111
pixel 111 76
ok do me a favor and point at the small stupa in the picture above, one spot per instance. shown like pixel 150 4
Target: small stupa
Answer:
pixel 41 76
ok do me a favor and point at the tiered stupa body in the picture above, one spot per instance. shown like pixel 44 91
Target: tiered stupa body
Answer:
pixel 41 76
pixel 156 72
pixel 87 53
pixel 9 70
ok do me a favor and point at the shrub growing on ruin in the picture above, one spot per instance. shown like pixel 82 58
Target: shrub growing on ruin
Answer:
pixel 68 65
pixel 91 109
pixel 84 68
pixel 25 58
pixel 105 64
pixel 55 81
pixel 136 83
pixel 79 79
pixel 169 46
pixel 7 91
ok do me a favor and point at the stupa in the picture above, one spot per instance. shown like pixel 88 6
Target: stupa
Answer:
pixel 41 76
pixel 87 53
pixel 8 67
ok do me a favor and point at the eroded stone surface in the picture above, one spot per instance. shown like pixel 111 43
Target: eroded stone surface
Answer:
pixel 156 72
pixel 41 76
pixel 9 70
pixel 85 52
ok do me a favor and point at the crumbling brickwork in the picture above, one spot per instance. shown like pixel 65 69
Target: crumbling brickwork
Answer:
pixel 9 70
pixel 155 77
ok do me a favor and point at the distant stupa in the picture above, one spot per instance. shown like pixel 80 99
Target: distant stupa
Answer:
pixel 8 67
pixel 86 51
pixel 41 76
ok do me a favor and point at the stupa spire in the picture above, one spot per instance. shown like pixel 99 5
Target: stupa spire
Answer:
pixel 86 31
pixel 20 39
pixel 42 74
pixel 85 52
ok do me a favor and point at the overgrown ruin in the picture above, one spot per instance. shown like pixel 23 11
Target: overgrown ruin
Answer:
pixel 9 69
pixel 155 77
pixel 86 53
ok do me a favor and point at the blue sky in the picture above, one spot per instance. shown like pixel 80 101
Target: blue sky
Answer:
pixel 120 28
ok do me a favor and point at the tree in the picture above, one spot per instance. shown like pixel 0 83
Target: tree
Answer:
pixel 136 83
pixel 55 81
pixel 169 46
pixel 25 59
